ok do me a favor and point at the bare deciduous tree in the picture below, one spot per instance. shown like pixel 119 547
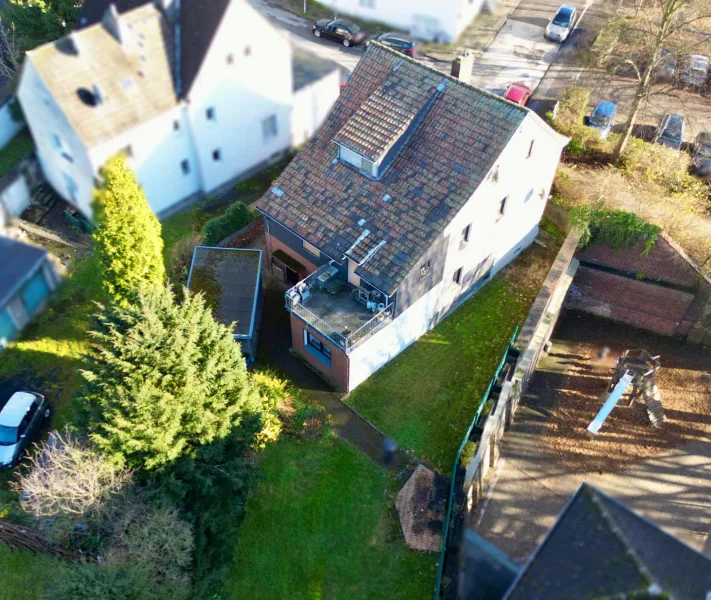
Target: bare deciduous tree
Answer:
pixel 10 51
pixel 65 477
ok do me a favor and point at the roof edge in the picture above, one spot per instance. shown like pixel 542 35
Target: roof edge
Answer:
pixel 30 272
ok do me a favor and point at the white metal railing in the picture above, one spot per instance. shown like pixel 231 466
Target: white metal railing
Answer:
pixel 293 300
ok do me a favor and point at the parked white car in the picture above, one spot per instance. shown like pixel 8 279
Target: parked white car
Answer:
pixel 695 71
pixel 562 24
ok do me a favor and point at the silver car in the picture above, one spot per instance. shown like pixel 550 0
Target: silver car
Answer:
pixel 560 26
pixel 695 71
pixel 20 421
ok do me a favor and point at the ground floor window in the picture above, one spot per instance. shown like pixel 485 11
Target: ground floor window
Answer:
pixel 317 348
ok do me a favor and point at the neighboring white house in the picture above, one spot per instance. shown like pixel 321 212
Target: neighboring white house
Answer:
pixel 195 94
pixel 431 20
pixel 416 190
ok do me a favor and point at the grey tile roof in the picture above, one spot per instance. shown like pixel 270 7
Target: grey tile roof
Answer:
pixel 134 76
pixel 17 262
pixel 599 548
pixel 431 177
pixel 229 279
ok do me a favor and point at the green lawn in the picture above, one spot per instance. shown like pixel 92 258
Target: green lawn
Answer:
pixel 426 397
pixel 18 147
pixel 24 575
pixel 321 525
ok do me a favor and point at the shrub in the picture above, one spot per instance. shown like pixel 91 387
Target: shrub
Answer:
pixel 235 217
pixel 468 453
pixel 179 261
pixel 619 228
pixel 104 581
pixel 572 106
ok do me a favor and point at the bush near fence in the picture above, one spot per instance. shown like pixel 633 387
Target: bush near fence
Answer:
pixel 235 217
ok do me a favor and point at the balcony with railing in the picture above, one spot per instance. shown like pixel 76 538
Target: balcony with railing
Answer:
pixel 345 314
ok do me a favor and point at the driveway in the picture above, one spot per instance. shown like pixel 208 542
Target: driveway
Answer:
pixel 672 486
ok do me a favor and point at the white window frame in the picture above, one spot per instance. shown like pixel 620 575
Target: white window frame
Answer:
pixel 270 128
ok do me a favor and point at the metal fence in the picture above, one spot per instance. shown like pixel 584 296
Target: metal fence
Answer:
pixel 447 531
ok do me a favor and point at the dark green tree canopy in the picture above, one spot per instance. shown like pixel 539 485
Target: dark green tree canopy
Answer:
pixel 127 239
pixel 164 379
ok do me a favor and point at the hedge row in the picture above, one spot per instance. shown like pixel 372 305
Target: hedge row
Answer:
pixel 235 218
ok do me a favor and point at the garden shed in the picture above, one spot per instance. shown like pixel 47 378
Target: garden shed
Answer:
pixel 231 281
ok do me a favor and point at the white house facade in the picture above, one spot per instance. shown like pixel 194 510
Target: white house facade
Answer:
pixel 415 192
pixel 443 20
pixel 196 96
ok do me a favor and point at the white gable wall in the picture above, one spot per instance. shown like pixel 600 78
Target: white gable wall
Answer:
pixel 502 238
pixel 424 19
pixel 72 179
pixel 256 87
pixel 158 150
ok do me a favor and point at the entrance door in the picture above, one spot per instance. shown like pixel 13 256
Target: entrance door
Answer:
pixel 292 277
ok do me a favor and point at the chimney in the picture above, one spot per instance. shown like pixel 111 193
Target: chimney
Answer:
pixel 98 96
pixel 112 23
pixel 462 66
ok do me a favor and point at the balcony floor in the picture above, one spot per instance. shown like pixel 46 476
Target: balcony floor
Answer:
pixel 340 310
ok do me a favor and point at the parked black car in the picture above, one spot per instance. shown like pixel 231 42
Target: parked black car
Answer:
pixel 341 30
pixel 20 421
pixel 701 162
pixel 400 43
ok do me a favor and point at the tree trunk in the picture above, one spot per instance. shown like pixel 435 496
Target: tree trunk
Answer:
pixel 631 120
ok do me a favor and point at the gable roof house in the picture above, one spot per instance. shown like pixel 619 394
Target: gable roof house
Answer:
pixel 597 548
pixel 196 95
pixel 415 191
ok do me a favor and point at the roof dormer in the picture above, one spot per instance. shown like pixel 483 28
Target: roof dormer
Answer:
pixel 375 133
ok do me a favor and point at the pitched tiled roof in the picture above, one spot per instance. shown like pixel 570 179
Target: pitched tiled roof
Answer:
pixel 134 75
pixel 430 178
pixel 599 548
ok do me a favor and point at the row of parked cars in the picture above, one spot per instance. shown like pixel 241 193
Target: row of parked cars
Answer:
pixel 670 133
pixel 350 34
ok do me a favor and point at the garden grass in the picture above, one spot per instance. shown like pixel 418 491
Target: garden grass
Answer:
pixel 426 397
pixel 25 575
pixel 15 150
pixel 321 524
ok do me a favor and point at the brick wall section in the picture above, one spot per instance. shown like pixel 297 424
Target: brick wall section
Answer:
pixel 274 244
pixel 337 373
pixel 636 303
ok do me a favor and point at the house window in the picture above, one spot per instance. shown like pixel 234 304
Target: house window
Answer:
pixel 230 59
pixel 185 167
pixel 216 155
pixel 56 142
pixel 465 233
pixel 210 113
pixel 457 277
pixel 530 149
pixel 425 270
pixel 176 125
pixel 502 207
pixel 269 127
pixel 317 348
pixel 313 249
pixel 72 188
pixel 247 50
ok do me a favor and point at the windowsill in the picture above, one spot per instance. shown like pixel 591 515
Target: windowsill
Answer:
pixel 322 357
pixel 463 244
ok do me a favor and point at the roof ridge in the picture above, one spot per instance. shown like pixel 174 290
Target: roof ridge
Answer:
pixel 411 60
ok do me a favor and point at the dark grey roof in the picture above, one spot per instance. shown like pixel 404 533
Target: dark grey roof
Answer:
pixel 432 173
pixel 307 67
pixel 230 280
pixel 599 548
pixel 18 262
pixel 199 20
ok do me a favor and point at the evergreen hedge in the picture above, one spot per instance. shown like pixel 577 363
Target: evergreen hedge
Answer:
pixel 235 217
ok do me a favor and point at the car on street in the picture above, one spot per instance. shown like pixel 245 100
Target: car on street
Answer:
pixel 701 162
pixel 695 71
pixel 399 43
pixel 518 93
pixel 561 25
pixel 671 131
pixel 342 30
pixel 666 68
pixel 603 118
pixel 20 421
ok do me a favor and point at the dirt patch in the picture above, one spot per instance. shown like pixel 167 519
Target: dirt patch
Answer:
pixel 627 435
pixel 530 268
